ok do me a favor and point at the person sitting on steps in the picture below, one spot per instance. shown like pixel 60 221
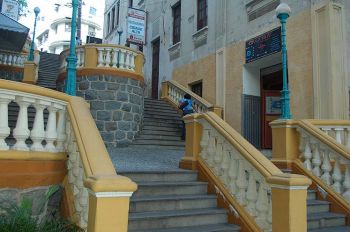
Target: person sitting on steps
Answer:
pixel 185 104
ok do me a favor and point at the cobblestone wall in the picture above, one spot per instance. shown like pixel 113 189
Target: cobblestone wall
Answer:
pixel 116 104
pixel 42 208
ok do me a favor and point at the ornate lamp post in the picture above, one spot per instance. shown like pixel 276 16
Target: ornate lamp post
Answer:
pixel 31 53
pixel 283 11
pixel 119 31
pixel 72 59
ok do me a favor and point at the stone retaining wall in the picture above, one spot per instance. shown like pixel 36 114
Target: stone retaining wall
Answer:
pixel 116 104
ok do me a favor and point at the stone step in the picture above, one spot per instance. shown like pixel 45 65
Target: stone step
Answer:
pixel 151 176
pixel 162 117
pixel 151 125
pixel 158 137
pixel 147 120
pixel 161 188
pixel 159 220
pixel 159 142
pixel 172 202
pixel 161 132
pixel 204 228
pixel 159 107
pixel 311 194
pixel 150 112
pixel 316 206
pixel 167 147
pixel 332 229
pixel 322 220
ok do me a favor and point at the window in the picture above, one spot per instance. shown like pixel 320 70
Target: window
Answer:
pixel 67 27
pixel 91 31
pixel 197 88
pixel 131 3
pixel 202 15
pixel 92 10
pixel 257 8
pixel 176 22
pixel 57 7
pixel 108 22
pixel 113 17
pixel 117 16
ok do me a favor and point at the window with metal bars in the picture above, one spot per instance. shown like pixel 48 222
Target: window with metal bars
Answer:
pixel 202 15
pixel 176 22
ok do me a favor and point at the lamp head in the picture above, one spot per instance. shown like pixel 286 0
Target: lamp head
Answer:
pixel 36 10
pixel 120 30
pixel 283 8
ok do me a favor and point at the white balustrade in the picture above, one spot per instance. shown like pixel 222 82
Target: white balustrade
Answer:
pixel 12 59
pixel 54 136
pixel 241 178
pixel 325 162
pixel 340 133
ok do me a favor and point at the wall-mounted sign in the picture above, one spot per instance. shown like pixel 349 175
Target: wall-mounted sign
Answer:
pixel 273 105
pixel 136 26
pixel 10 9
pixel 263 45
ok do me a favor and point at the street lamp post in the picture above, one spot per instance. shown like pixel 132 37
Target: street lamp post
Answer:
pixel 283 11
pixel 31 53
pixel 119 31
pixel 72 59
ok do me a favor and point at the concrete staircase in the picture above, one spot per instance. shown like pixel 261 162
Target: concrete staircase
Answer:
pixel 48 70
pixel 174 201
pixel 161 126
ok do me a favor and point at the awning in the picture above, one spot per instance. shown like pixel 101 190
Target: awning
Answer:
pixel 13 35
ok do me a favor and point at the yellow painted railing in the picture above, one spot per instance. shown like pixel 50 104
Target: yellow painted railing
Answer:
pixel 173 92
pixel 252 187
pixel 319 149
pixel 99 197
pixel 105 58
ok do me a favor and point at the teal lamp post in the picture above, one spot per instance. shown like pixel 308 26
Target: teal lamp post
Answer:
pixel 120 32
pixel 72 59
pixel 31 53
pixel 283 11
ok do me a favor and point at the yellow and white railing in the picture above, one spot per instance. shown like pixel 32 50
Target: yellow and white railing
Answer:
pixel 105 57
pixel 264 198
pixel 99 196
pixel 12 59
pixel 173 92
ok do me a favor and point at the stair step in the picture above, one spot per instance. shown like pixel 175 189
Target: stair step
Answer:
pixel 322 220
pixel 332 229
pixel 172 202
pixel 161 125
pixel 161 132
pixel 159 220
pixel 158 121
pixel 311 194
pixel 159 142
pixel 159 137
pixel 204 228
pixel 167 147
pixel 181 175
pixel 316 206
pixel 162 117
pixel 170 188
pixel 171 113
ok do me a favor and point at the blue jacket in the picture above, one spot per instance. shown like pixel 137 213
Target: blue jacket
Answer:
pixel 186 105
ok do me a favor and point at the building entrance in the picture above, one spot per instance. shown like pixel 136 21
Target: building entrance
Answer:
pixel 155 68
pixel 271 85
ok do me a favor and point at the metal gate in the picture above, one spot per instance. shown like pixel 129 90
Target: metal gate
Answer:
pixel 251 119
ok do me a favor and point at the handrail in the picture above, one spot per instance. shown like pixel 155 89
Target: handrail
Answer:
pixel 83 143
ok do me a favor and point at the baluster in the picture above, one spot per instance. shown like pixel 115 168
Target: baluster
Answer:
pixel 4 128
pixel 204 143
pixel 326 130
pixel 1 58
pixel 15 60
pixel 337 176
pixel 115 58
pixel 9 59
pixel 251 193
pixel 241 183
pixel 338 132
pixel 262 207
pixel 232 174
pixel 307 154
pixel 82 57
pixel 269 214
pixel 218 155
pixel 51 129
pixel 78 58
pixel 100 57
pixel 316 160
pixel 38 132
pixel 21 132
pixel 347 141
pixel 132 61
pixel 122 59
pixel 225 164
pixel 127 60
pixel 326 168
pixel 346 183
pixel 212 148
pixel 61 134
pixel 108 57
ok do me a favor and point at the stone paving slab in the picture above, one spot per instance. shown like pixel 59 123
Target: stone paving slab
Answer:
pixel 145 159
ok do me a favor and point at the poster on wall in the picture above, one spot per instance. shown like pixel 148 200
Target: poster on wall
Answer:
pixel 10 9
pixel 273 105
pixel 136 26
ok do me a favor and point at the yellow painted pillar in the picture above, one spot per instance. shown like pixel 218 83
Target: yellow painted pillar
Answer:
pixel 165 89
pixel 217 110
pixel 193 138
pixel 91 56
pixel 109 203
pixel 285 140
pixel 30 74
pixel 139 59
pixel 289 207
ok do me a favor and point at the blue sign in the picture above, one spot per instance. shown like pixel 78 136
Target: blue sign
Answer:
pixel 263 45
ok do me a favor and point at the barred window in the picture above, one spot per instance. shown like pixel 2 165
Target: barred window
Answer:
pixel 202 15
pixel 176 23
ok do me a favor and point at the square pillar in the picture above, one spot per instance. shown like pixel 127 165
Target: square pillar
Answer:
pixel 30 74
pixel 217 110
pixel 165 90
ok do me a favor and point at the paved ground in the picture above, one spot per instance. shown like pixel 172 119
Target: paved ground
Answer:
pixel 145 159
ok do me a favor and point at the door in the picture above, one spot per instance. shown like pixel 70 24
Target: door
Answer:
pixel 155 68
pixel 271 105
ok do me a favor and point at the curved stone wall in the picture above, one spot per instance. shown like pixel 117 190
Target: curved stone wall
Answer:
pixel 116 104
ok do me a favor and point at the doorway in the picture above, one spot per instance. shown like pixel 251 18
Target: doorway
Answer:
pixel 155 68
pixel 271 85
